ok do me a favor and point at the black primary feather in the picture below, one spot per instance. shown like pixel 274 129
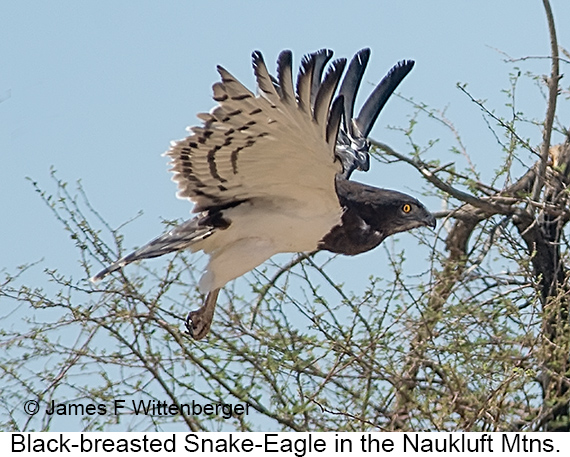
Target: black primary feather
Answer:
pixel 321 58
pixel 327 90
pixel 264 80
pixel 350 84
pixel 333 124
pixel 376 101
pixel 304 83
pixel 285 76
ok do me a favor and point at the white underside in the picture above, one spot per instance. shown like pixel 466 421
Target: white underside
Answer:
pixel 259 229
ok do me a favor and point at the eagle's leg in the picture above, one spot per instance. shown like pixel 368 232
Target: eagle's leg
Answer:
pixel 198 322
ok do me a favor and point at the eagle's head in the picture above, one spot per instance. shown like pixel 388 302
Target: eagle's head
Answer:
pixel 370 215
pixel 392 212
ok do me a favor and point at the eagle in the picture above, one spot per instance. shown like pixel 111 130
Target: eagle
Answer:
pixel 269 173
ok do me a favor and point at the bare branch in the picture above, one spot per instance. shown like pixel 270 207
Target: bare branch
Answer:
pixel 551 107
pixel 484 204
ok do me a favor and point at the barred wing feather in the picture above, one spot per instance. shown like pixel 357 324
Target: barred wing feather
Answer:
pixel 268 145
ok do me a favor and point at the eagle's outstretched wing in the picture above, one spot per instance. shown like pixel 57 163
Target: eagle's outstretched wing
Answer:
pixel 260 155
pixel 278 144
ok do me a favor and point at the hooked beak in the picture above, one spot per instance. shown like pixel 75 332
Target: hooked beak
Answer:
pixel 430 221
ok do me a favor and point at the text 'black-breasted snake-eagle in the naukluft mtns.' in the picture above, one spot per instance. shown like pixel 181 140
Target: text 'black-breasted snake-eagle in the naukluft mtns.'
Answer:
pixel 269 173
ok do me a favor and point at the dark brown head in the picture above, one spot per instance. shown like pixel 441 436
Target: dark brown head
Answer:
pixel 391 212
pixel 370 215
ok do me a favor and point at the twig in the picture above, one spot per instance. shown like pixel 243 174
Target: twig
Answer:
pixel 483 204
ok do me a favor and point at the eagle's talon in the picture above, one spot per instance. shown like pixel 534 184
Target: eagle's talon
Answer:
pixel 198 322
pixel 188 324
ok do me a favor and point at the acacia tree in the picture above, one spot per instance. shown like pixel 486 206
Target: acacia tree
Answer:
pixel 479 341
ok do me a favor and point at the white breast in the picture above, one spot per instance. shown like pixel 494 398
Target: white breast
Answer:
pixel 260 229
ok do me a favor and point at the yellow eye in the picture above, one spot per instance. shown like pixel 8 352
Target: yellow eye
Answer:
pixel 407 208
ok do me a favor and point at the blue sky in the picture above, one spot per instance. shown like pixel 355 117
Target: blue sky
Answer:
pixel 98 89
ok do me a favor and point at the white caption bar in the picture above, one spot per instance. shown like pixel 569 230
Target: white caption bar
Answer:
pixel 288 444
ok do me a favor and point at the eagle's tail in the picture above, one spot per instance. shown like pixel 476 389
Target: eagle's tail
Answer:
pixel 179 238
